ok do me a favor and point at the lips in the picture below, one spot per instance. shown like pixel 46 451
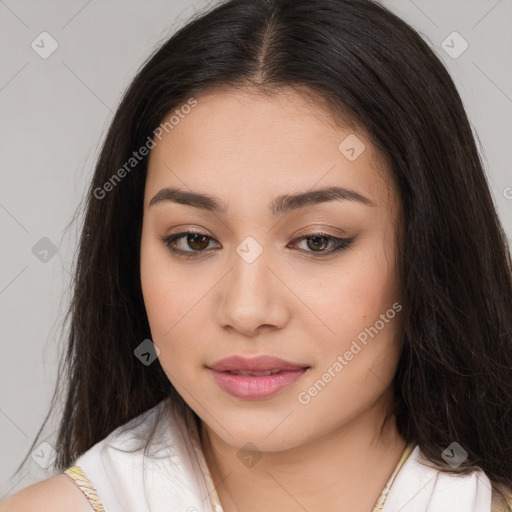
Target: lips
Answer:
pixel 257 378
pixel 240 365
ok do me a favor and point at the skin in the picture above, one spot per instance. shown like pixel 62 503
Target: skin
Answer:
pixel 246 149
pixel 56 494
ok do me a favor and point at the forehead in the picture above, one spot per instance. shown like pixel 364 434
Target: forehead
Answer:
pixel 255 145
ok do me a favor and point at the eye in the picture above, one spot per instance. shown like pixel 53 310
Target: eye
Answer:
pixel 194 243
pixel 317 243
pixel 194 240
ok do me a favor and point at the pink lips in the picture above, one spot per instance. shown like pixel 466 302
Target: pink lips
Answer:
pixel 254 378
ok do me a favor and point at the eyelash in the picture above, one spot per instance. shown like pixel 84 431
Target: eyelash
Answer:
pixel 339 244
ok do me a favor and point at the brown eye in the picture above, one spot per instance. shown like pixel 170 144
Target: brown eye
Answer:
pixel 197 242
pixel 317 243
pixel 321 244
pixel 188 243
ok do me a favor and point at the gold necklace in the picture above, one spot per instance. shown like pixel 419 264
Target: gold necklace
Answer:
pixel 379 505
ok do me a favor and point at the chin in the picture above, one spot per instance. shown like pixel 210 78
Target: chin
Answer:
pixel 265 433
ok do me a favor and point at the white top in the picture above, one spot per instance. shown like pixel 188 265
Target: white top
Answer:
pixel 172 476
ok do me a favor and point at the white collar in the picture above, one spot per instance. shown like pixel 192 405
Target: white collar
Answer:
pixel 418 487
pixel 173 475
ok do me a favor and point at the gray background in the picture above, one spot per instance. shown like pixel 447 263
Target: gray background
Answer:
pixel 54 113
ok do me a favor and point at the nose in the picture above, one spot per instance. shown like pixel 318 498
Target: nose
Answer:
pixel 252 298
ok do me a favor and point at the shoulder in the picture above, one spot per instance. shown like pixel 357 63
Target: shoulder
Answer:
pixel 55 494
pixel 61 492
pixel 422 484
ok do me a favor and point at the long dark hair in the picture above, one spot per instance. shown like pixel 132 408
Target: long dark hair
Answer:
pixel 454 378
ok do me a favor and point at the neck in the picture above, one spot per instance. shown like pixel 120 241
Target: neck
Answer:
pixel 342 471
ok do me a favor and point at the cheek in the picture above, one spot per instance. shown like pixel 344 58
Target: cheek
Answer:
pixel 176 310
pixel 167 316
pixel 355 293
pixel 163 289
pixel 357 304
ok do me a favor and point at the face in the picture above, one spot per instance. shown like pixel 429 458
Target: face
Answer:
pixel 310 280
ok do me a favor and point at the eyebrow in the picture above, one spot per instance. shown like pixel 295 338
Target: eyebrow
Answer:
pixel 280 205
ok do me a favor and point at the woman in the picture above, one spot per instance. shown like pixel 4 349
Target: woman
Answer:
pixel 292 291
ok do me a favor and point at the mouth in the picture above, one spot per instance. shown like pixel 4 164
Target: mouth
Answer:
pixel 256 378
pixel 248 373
